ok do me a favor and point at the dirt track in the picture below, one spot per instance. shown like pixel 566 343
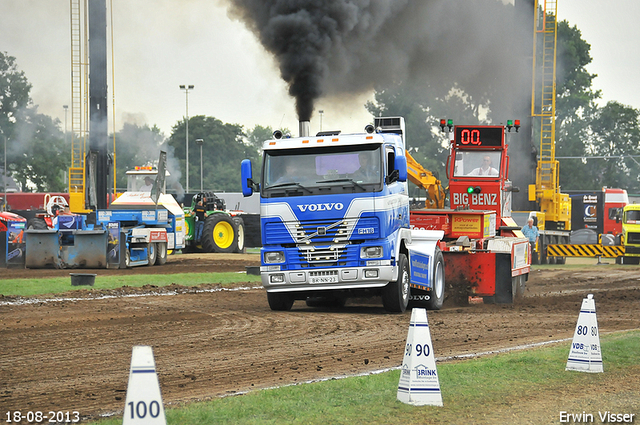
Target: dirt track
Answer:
pixel 74 354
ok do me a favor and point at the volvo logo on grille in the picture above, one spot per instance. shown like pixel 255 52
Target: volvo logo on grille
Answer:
pixel 321 207
pixel 322 231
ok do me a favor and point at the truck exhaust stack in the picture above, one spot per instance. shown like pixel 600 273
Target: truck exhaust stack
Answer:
pixel 304 128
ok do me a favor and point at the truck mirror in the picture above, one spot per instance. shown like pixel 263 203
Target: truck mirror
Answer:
pixel 248 185
pixel 400 164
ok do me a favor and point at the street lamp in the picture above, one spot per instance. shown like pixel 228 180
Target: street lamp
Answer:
pixel 66 109
pixel 186 89
pixel 4 198
pixel 200 142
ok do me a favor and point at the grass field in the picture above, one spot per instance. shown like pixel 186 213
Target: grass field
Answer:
pixel 528 386
pixel 57 285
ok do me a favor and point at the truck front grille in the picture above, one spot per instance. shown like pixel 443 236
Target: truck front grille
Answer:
pixel 322 256
pixel 322 231
pixel 631 250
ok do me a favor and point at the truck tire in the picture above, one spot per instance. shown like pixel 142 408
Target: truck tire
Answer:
pixel 241 247
pixel 219 234
pixel 437 293
pixel 127 258
pixel 152 251
pixel 161 255
pixel 519 286
pixel 280 301
pixel 395 296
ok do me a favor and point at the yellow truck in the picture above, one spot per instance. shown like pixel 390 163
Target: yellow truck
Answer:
pixel 631 233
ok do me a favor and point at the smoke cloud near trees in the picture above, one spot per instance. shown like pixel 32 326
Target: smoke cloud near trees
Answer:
pixel 345 47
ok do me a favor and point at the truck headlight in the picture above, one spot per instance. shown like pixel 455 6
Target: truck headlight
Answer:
pixel 273 257
pixel 371 252
pixel 276 278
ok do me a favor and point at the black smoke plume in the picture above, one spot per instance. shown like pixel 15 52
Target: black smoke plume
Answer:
pixel 341 47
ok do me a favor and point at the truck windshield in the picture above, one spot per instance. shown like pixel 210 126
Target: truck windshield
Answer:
pixel 477 164
pixel 312 171
pixel 632 217
pixel 140 182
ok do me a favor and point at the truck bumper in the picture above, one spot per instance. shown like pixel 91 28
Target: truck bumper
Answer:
pixel 327 279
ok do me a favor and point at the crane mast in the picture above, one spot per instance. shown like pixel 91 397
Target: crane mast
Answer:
pixel 79 100
pixel 555 205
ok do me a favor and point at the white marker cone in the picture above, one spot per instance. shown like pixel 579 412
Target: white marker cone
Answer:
pixel 585 354
pixel 144 401
pixel 419 383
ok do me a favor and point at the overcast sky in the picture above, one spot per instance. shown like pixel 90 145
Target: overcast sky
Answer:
pixel 161 44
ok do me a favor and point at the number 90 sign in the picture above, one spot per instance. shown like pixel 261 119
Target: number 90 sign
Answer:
pixel 421 350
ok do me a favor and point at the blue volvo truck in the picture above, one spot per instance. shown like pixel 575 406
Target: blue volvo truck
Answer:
pixel 335 220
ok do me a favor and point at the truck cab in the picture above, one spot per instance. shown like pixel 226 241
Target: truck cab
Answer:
pixel 334 217
pixel 478 170
pixel 485 253
pixel 614 202
pixel 631 233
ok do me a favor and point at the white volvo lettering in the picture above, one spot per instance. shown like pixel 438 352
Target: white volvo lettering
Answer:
pixel 321 207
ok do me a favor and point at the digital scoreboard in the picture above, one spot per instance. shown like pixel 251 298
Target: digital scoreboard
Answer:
pixel 479 136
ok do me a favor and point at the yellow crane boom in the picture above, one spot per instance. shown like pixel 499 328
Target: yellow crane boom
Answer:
pixel 425 179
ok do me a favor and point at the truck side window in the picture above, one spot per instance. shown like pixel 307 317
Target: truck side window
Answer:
pixel 392 174
pixel 614 213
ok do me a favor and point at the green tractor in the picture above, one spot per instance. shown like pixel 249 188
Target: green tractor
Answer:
pixel 223 230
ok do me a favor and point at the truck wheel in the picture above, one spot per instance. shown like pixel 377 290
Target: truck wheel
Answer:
pixel 519 286
pixel 127 258
pixel 152 250
pixel 219 234
pixel 395 296
pixel 161 255
pixel 280 301
pixel 437 293
pixel 543 251
pixel 239 222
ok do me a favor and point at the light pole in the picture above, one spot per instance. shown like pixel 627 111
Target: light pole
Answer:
pixel 66 109
pixel 321 112
pixel 186 89
pixel 4 198
pixel 200 142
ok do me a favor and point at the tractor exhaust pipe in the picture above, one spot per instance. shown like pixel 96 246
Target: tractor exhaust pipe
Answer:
pixel 304 128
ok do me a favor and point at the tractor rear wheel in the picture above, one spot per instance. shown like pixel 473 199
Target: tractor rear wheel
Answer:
pixel 219 234
pixel 37 223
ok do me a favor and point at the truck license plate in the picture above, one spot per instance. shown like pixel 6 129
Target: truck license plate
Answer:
pixel 324 279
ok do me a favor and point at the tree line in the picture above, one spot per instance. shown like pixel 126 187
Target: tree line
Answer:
pixel 596 145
